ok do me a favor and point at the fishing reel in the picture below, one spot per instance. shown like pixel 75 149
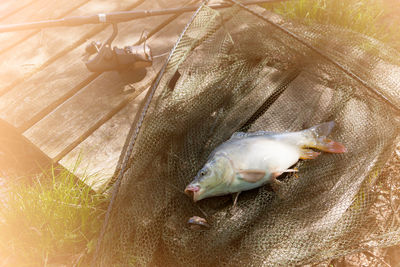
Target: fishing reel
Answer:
pixel 100 57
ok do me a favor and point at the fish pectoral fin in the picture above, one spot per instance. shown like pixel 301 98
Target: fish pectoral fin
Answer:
pixel 252 176
pixel 308 154
pixel 241 135
pixel 276 184
pixel 235 199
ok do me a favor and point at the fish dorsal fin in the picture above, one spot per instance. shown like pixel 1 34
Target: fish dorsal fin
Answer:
pixel 251 176
pixel 240 135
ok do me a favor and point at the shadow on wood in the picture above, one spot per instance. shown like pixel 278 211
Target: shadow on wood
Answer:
pixel 18 156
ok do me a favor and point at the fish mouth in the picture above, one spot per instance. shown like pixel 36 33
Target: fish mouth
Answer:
pixel 193 191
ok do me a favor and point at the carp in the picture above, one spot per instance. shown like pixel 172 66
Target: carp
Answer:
pixel 250 160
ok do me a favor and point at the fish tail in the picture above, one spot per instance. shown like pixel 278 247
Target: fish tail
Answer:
pixel 316 137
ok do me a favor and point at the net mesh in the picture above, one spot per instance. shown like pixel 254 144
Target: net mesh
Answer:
pixel 233 71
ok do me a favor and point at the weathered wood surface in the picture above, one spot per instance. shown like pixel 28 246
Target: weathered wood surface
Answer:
pixel 66 112
pixel 102 156
pixel 99 153
pixel 96 100
pixel 38 10
pixel 31 100
pixel 49 47
pixel 9 7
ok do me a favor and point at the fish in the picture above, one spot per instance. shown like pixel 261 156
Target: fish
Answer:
pixel 250 160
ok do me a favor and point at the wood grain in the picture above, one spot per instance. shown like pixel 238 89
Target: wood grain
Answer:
pixel 30 100
pixel 38 10
pixel 9 7
pixel 34 99
pixel 98 155
pixel 41 50
pixel 96 101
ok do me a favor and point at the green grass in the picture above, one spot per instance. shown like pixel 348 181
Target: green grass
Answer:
pixel 368 17
pixel 50 221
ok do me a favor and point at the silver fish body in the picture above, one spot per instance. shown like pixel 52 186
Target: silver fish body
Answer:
pixel 250 160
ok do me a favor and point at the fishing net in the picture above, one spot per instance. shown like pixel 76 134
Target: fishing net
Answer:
pixel 232 70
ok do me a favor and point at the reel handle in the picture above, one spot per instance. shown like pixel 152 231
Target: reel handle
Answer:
pixel 109 59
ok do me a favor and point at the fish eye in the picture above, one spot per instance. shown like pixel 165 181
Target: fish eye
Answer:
pixel 203 172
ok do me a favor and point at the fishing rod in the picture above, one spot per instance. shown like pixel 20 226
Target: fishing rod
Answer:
pixel 116 17
pixel 100 57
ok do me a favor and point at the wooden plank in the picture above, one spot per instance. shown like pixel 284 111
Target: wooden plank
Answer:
pixel 76 117
pixel 100 152
pixel 28 102
pixel 98 155
pixel 41 50
pixel 9 7
pixel 39 10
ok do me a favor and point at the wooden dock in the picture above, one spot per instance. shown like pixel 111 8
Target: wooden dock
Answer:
pixel 52 109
